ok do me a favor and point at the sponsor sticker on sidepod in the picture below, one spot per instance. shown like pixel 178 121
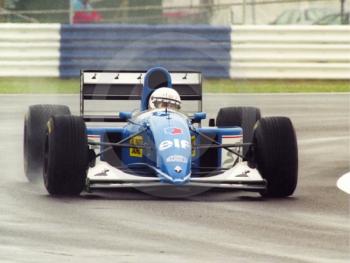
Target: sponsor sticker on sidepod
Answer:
pixel 176 158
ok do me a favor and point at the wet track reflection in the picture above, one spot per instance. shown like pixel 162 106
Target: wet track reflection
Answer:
pixel 129 226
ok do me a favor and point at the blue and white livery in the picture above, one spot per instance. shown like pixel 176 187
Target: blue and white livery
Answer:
pixel 172 151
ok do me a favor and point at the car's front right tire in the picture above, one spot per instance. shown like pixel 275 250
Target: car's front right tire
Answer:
pixel 65 155
pixel 34 136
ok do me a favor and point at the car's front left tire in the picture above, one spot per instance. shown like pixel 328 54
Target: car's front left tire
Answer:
pixel 275 152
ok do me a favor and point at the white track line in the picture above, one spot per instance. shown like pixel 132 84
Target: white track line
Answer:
pixel 343 183
pixel 323 139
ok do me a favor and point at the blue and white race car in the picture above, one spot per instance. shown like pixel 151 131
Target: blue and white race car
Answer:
pixel 159 149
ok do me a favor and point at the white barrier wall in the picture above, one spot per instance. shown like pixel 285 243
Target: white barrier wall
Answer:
pixel 295 52
pixel 30 50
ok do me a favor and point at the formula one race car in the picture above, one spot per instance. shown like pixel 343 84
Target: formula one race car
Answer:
pixel 159 149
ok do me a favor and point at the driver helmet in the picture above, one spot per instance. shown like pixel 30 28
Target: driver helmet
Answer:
pixel 165 98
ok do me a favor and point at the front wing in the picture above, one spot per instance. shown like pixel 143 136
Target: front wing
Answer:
pixel 239 177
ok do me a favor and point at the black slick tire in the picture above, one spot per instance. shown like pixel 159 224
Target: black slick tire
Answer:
pixel 276 155
pixel 244 117
pixel 65 156
pixel 34 136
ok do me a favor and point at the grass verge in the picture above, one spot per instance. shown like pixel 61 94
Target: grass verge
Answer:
pixel 276 86
pixel 56 85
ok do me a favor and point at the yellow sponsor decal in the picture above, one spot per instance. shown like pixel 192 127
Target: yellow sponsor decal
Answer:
pixel 136 152
pixel 193 142
pixel 49 126
pixel 256 125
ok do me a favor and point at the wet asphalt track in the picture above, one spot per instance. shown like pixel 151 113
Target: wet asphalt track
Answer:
pixel 128 226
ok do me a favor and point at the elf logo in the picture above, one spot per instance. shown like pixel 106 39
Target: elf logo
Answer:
pixel 183 144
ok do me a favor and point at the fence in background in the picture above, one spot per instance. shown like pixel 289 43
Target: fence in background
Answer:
pixel 213 12
pixel 295 52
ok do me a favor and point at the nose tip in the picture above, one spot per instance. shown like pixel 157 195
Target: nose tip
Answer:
pixel 179 181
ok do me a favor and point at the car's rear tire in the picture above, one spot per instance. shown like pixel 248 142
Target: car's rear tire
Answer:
pixel 276 155
pixel 244 117
pixel 66 155
pixel 34 136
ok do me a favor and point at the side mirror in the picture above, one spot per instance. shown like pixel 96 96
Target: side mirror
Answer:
pixel 125 115
pixel 198 116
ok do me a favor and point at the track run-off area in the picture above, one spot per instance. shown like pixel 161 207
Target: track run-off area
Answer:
pixel 128 226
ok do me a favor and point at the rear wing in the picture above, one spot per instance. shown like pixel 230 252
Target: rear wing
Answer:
pixel 128 85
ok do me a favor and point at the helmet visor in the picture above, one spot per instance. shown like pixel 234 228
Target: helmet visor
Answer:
pixel 166 103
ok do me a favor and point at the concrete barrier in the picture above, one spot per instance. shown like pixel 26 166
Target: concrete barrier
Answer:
pixel 295 52
pixel 29 50
pixel 248 52
pixel 139 47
